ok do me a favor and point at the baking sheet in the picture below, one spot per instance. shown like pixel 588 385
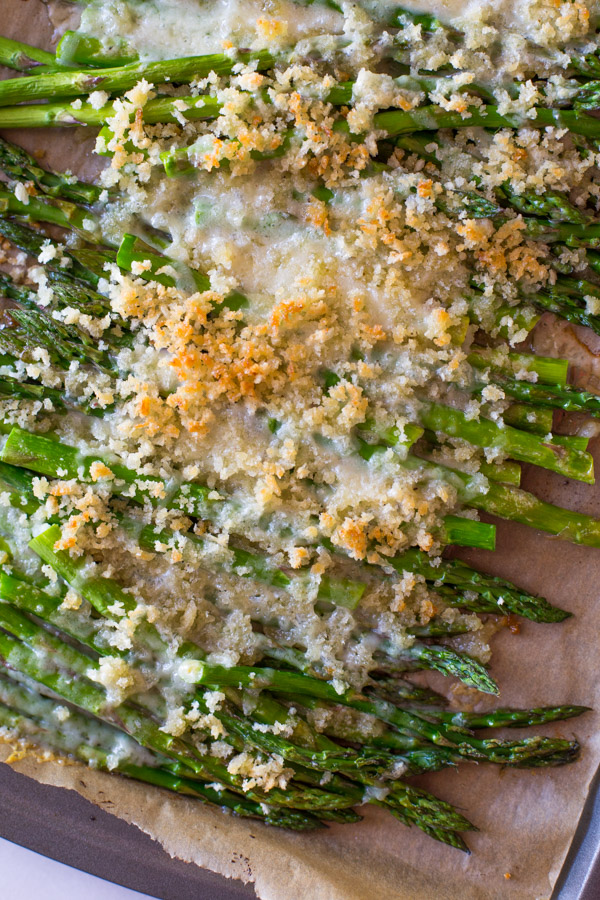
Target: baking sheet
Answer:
pixel 526 819
pixel 106 846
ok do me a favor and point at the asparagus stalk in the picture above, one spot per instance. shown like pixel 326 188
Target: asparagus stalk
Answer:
pixel 21 166
pixel 421 808
pixel 53 211
pixel 493 594
pixel 25 330
pixel 519 445
pixel 23 57
pixel 266 711
pixel 48 457
pixel 547 369
pixel 23 596
pixel 448 662
pixel 291 683
pixel 40 640
pixel 565 308
pixel 44 733
pixel 12 387
pixel 61 114
pixel 503 717
pixel 593 260
pixel 67 290
pixel 432 118
pixel 402 803
pixel 17 483
pixel 393 123
pixel 76 50
pixel 73 83
pixel 586 235
pixel 529 418
pixel 31 599
pixel 87 265
pixel 569 399
pixel 465 532
pixel 33 451
pixel 553 204
pixel 105 595
pixel 84 694
pixel 507 717
pixel 514 504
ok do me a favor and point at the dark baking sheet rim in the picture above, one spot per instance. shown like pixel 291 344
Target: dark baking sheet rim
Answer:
pixel 62 825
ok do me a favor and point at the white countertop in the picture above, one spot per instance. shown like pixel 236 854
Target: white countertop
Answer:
pixel 29 876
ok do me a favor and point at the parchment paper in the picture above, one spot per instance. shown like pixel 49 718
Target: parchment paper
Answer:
pixel 526 819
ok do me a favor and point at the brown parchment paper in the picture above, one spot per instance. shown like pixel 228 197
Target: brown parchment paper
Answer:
pixel 526 819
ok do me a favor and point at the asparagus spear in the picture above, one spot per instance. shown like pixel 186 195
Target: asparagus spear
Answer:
pixel 537 751
pixel 529 418
pixel 87 264
pixel 553 204
pixel 44 733
pixel 39 640
pixel 515 505
pixel 26 597
pixel 503 717
pixel 32 599
pixel 74 82
pixel 105 595
pixel 448 662
pixel 67 291
pixel 393 122
pixel 291 683
pixel 548 369
pixel 34 451
pixel 20 165
pixel 75 50
pixel 567 398
pixel 517 444
pixel 507 717
pixel 586 235
pixel 60 114
pixel 25 330
pixel 23 57
pixel 45 607
pixel 465 532
pixel 53 211
pixel 512 503
pixel 492 594
pixel 421 808
pixel 522 446
pixel 12 387
pixel 19 657
pixel 49 457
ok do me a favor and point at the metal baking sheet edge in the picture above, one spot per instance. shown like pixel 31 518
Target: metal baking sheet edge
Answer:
pixel 580 875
